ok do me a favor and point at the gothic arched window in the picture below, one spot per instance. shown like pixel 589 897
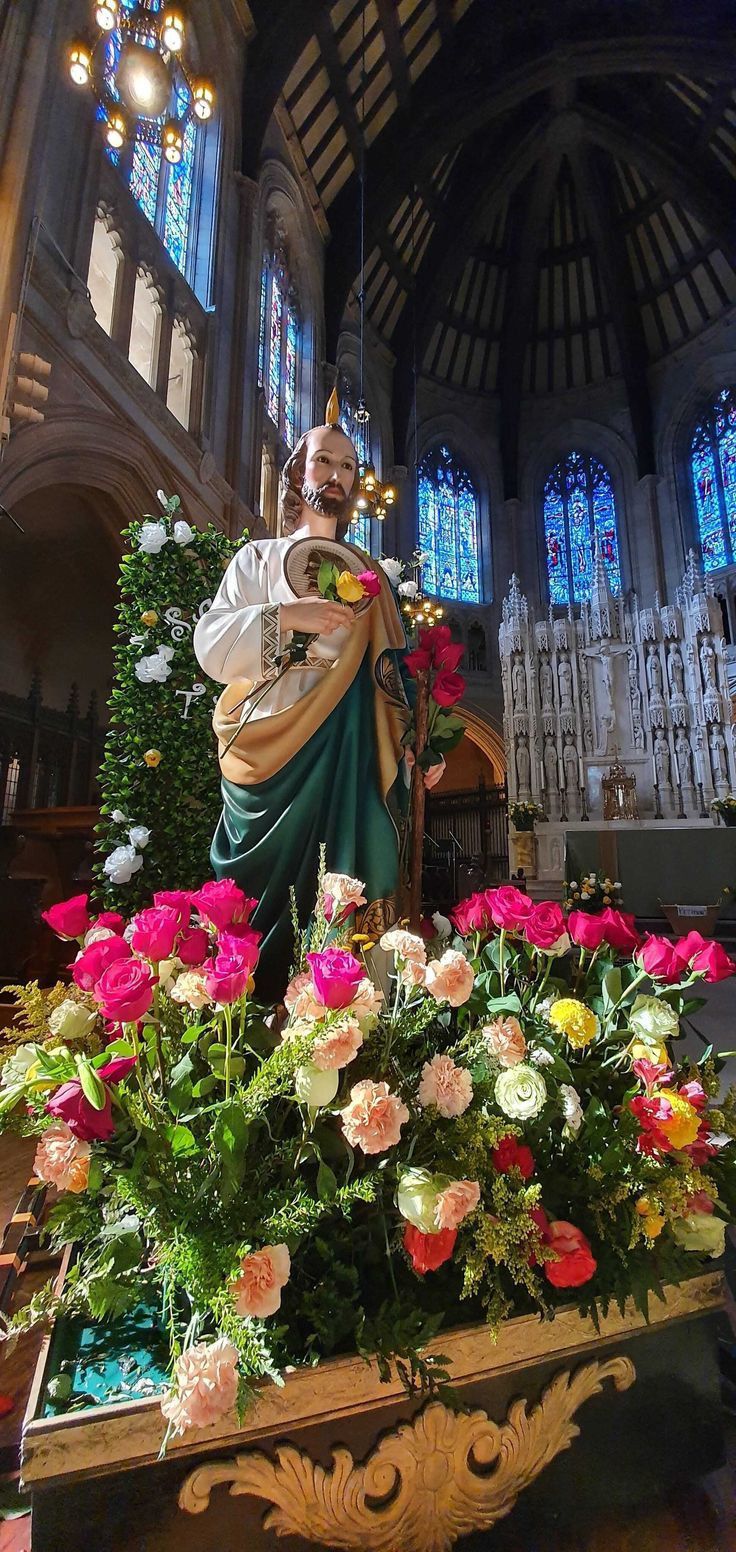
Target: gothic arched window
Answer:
pixel 579 515
pixel 713 471
pixel 448 528
pixel 279 345
pixel 359 531
pixel 163 192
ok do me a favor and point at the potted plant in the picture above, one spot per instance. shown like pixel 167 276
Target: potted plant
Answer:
pixel 726 809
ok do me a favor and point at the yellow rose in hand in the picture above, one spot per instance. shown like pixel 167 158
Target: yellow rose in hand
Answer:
pixel 348 588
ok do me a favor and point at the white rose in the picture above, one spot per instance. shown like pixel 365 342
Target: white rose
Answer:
pixel 442 925
pixel 139 836
pixel 653 1019
pixel 153 537
pixel 122 863
pixel 571 1107
pixel 189 987
pixel 71 1020
pixel 701 1232
pixel 520 1092
pixel 393 569
pixel 408 589
pixel 97 935
pixel 416 1199
pixel 154 669
pixel 315 1087
pixel 183 534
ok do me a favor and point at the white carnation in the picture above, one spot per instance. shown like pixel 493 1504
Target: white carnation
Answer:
pixel 183 534
pixel 571 1107
pixel 152 538
pixel 139 836
pixel 71 1020
pixel 122 863
pixel 520 1092
pixel 156 667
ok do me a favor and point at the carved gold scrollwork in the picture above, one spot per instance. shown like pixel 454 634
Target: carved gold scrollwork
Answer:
pixel 426 1483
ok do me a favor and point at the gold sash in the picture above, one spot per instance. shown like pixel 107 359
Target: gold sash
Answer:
pixel 266 744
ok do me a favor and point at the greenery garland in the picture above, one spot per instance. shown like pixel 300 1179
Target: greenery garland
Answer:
pixel 159 774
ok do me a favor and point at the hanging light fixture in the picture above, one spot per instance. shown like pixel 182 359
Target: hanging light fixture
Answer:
pixel 142 81
pixel 373 498
pixel 419 610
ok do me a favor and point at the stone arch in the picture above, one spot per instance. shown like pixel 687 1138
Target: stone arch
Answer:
pixel 281 199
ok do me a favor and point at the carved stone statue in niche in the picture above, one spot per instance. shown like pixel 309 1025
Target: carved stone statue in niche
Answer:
pixel 564 675
pixel 708 665
pixel 550 764
pixel 518 685
pixel 546 685
pixel 654 674
pixel 570 763
pixel 718 760
pixel 675 670
pixel 684 756
pixel 523 765
pixel 662 763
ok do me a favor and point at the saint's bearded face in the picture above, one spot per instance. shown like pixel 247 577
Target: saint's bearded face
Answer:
pixel 329 473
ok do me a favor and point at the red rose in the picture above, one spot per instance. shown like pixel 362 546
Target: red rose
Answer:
pixel 70 918
pixel 448 688
pixel 510 907
pixel 434 638
pixel 545 925
pixel 371 583
pixel 118 1067
pixel 691 945
pixel 125 990
pixel 586 929
pixel 509 1153
pixel 89 966
pixel 713 962
pixel 221 902
pixel 449 656
pixel 417 661
pixel 180 900
pixel 193 946
pixel 660 959
pixel 473 914
pixel 155 932
pixel 428 1251
pixel 577 1262
pixel 70 1104
pixel 620 931
pixel 112 920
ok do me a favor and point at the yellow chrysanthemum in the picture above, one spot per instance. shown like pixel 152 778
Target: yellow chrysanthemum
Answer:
pixel 573 1019
pixel 682 1127
pixel 348 588
pixel 654 1221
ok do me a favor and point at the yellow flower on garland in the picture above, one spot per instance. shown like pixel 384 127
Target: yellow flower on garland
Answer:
pixel 682 1126
pixel 153 758
pixel 653 1221
pixel 572 1018
pixel 149 617
pixel 348 588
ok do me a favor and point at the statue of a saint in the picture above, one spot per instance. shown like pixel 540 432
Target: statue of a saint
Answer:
pixel 708 665
pixel 546 686
pixel 518 685
pixel 550 764
pixel 718 755
pixel 675 670
pixel 662 763
pixel 523 765
pixel 684 756
pixel 570 764
pixel 564 675
pixel 654 674
pixel 314 755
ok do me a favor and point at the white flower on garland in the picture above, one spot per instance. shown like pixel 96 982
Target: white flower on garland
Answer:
pixel 183 534
pixel 118 817
pixel 139 836
pixel 122 863
pixel 571 1107
pixel 156 667
pixel 520 1092
pixel 152 538
pixel 408 589
pixel 393 570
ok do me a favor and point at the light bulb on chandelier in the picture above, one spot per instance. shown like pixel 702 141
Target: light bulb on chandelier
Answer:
pixel 116 131
pixel 172 30
pixel 80 64
pixel 173 142
pixel 106 15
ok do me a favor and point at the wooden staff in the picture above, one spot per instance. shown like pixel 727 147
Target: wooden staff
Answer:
pixel 418 798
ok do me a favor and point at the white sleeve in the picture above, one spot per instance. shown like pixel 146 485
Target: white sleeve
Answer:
pixel 238 638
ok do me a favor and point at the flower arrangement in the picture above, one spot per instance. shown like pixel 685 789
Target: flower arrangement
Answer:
pixel 434 662
pixel 593 892
pixel 726 807
pixel 524 816
pixel 505 1128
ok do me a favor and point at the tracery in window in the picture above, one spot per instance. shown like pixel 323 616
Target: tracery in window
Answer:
pixel 579 514
pixel 713 474
pixel 448 528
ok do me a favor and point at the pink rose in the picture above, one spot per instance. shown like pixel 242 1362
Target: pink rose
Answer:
pixel 70 918
pixel 206 1379
pixel 221 902
pixel 473 914
pixel 586 929
pixel 118 1067
pixel 193 946
pixel 427 1252
pixel 374 1117
pixel 112 920
pixel 545 927
pixel 89 966
pixel 713 962
pixel 241 940
pixel 450 979
pixel 71 1105
pixel 371 583
pixel 510 907
pixel 336 975
pixel 179 900
pixel 455 1202
pixel 691 945
pixel 448 688
pixel 226 976
pixel 338 1046
pixel 620 931
pixel 155 932
pixel 660 959
pixel 505 1040
pixel 257 1290
pixel 125 990
pixel 576 1264
pixel 443 1084
pixel 62 1160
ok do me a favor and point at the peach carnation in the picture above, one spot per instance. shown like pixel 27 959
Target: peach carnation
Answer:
pixel 206 1379
pixel 405 945
pixel 339 1044
pixel 189 987
pixel 257 1291
pixel 367 1002
pixel 505 1040
pixel 450 979
pixel 445 1085
pixel 62 1160
pixel 343 892
pixel 300 998
pixel 455 1202
pixel 374 1117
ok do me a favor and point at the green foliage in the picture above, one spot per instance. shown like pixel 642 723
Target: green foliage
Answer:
pixel 178 798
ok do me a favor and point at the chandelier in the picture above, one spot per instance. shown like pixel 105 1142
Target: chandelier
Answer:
pixel 417 607
pixel 134 85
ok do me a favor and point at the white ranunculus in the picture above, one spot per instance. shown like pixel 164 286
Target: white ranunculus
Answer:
pixel 139 836
pixel 408 589
pixel 183 534
pixel 156 668
pixel 652 1019
pixel 315 1087
pixel 71 1020
pixel 122 863
pixel 520 1092
pixel 152 538
pixel 393 570
pixel 442 925
pixel 701 1232
pixel 571 1107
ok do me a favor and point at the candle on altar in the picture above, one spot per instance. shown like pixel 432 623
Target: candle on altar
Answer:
pixel 582 772
pixel 541 772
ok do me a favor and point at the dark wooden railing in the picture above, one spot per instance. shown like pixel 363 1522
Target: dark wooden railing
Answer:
pixel 48 758
pixel 466 843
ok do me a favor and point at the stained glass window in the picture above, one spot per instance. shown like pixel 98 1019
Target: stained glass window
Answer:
pixel 713 472
pixel 265 278
pixel 292 339
pixel 144 176
pixel 278 347
pixel 448 528
pixel 274 353
pixel 360 527
pixel 579 514
pixel 179 200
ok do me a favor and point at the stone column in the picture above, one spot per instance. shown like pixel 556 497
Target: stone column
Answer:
pixel 648 487
pixel 29 52
pixel 242 461
pixel 398 535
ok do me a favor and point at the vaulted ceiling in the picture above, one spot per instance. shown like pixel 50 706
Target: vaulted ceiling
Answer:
pixel 550 184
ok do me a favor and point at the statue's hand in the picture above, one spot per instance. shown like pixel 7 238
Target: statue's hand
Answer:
pixel 316 616
pixel 432 776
